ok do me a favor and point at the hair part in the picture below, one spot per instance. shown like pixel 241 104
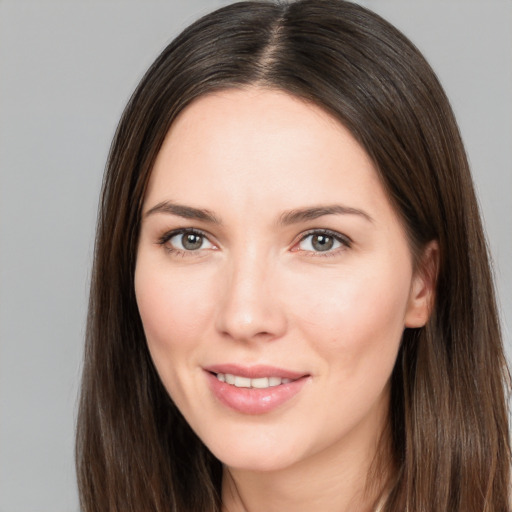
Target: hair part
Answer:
pixel 448 418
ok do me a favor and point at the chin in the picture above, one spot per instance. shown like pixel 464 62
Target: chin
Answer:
pixel 258 462
pixel 248 455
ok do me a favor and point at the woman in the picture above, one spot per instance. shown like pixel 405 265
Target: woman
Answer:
pixel 291 305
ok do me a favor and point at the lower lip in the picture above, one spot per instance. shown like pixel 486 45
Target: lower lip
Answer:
pixel 254 400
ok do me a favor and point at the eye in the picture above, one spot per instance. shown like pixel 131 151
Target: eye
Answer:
pixel 186 240
pixel 323 241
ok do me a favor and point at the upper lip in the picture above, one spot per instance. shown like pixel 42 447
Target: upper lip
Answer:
pixel 254 372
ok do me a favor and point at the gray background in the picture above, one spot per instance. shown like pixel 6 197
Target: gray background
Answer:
pixel 66 71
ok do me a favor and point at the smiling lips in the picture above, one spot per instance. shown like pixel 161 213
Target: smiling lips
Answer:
pixel 246 382
pixel 254 390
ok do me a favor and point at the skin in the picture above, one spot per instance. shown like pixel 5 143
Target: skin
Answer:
pixel 256 291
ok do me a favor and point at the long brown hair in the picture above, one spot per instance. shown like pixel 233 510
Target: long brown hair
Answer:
pixel 448 415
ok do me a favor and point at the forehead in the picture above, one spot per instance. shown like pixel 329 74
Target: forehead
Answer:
pixel 261 146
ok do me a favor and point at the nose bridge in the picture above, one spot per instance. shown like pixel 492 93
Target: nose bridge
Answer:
pixel 249 305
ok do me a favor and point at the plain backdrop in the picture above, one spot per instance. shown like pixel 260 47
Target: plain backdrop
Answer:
pixel 66 70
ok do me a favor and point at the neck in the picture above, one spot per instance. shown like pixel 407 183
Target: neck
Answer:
pixel 347 478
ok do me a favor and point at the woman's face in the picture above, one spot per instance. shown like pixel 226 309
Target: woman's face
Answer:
pixel 274 280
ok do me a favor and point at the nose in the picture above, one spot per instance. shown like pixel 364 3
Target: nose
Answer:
pixel 250 305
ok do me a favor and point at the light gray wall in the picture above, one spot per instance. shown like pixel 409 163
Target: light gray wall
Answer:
pixel 66 70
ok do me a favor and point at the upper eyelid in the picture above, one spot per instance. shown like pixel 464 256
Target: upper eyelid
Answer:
pixel 178 231
pixel 323 231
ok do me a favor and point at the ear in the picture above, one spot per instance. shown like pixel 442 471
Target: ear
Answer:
pixel 423 287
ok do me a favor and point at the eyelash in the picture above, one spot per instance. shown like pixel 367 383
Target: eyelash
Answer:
pixel 344 241
pixel 164 239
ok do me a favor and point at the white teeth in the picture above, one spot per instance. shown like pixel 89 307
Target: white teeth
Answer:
pixel 242 382
pixel 260 383
pixel 274 381
pixel 245 382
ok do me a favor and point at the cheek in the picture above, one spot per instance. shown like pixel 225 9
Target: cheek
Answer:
pixel 358 316
pixel 173 308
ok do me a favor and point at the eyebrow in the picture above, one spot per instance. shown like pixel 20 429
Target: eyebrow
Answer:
pixel 305 214
pixel 187 212
pixel 287 218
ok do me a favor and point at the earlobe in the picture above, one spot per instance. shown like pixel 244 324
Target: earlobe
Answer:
pixel 423 287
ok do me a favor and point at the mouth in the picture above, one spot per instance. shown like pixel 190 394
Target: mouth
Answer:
pixel 254 390
pixel 246 382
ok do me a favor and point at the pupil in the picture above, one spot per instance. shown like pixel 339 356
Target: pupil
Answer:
pixel 191 241
pixel 322 242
